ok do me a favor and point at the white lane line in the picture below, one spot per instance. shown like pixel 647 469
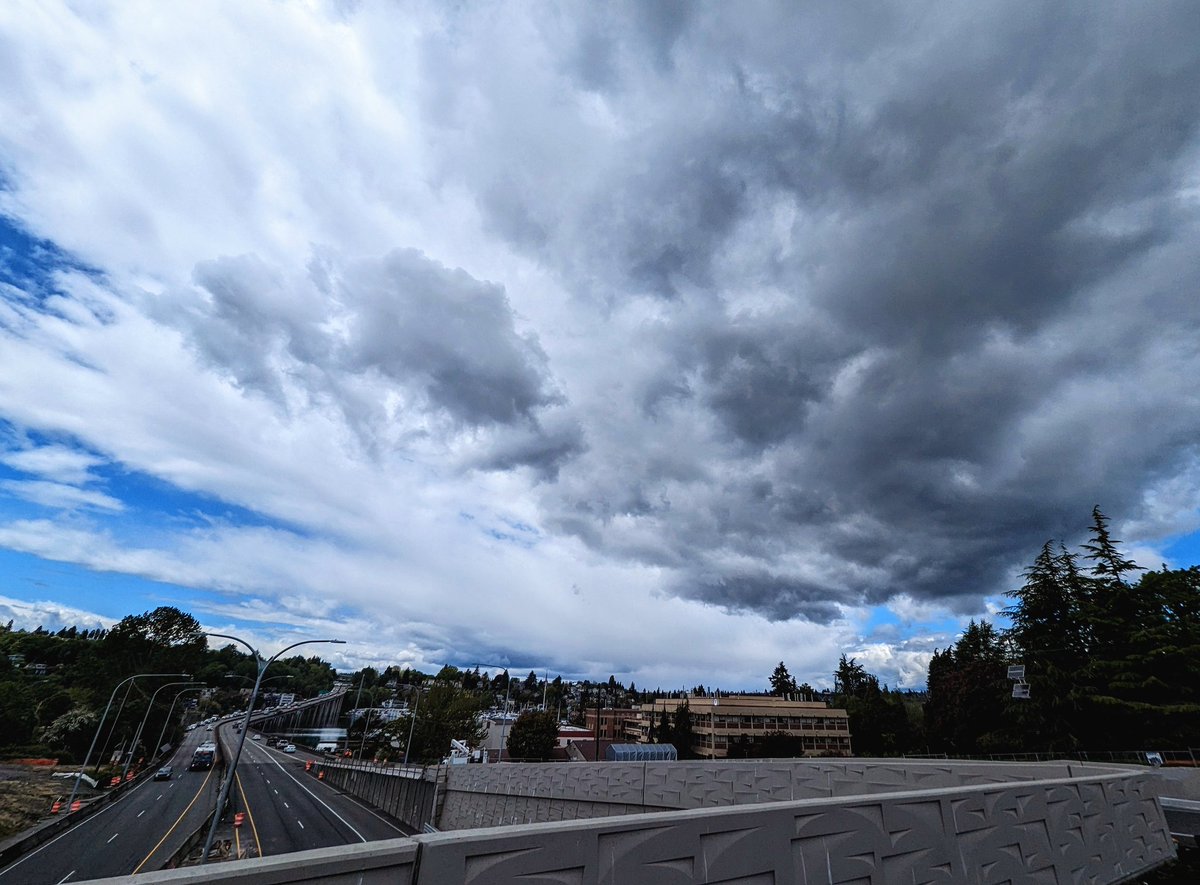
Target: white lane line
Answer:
pixel 285 805
pixel 159 796
pixel 276 792
pixel 301 823
pixel 66 877
pixel 318 798
pixel 140 813
pixel 113 836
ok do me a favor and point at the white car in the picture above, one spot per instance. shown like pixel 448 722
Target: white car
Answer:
pixel 290 748
pixel 256 737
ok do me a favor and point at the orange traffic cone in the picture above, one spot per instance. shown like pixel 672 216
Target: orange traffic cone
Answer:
pixel 116 779
pixel 54 809
pixel 239 819
pixel 320 775
pixel 308 765
pixel 77 804
pixel 129 775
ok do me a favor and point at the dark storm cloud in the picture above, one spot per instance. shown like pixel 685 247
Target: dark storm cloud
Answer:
pixel 414 318
pixel 927 284
pixel 445 339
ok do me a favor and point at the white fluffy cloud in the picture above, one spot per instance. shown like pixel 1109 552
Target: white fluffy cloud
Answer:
pixel 664 342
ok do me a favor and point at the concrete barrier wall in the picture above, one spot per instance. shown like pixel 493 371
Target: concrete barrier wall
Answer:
pixel 1099 829
pixel 406 793
pixel 506 794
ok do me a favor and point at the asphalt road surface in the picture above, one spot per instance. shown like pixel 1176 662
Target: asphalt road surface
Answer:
pixel 287 809
pixel 136 833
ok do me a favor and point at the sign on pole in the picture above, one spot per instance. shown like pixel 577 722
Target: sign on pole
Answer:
pixel 1017 672
pixel 1021 690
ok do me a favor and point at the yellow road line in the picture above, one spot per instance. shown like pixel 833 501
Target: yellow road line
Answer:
pixel 138 869
pixel 246 805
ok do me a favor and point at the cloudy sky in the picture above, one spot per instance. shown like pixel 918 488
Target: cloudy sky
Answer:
pixel 651 339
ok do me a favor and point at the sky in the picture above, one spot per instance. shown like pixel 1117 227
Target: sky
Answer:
pixel 662 340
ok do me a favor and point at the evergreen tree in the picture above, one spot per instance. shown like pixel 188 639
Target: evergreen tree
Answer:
pixel 782 682
pixel 683 735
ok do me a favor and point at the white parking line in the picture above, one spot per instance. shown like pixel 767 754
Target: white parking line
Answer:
pixel 140 813
pixel 66 877
pixel 113 836
pixel 301 823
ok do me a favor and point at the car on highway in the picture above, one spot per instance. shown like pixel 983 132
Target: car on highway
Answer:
pixel 256 737
pixel 163 774
pixel 290 748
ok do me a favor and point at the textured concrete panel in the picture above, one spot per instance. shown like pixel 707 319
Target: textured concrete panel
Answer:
pixel 1097 829
pixel 599 789
pixel 1100 830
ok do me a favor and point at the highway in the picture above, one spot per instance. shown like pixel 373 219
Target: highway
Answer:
pixel 136 833
pixel 287 809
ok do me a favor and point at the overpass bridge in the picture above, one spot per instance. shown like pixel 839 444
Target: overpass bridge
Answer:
pixel 852 821
pixel 319 712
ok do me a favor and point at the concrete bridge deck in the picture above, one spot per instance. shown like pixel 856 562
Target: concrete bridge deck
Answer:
pixel 840 821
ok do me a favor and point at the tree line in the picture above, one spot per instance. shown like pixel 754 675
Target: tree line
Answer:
pixel 54 686
pixel 1108 650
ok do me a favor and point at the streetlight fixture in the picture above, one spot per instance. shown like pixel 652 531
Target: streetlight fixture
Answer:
pixel 237 753
pixel 96 736
pixel 171 710
pixel 412 724
pixel 137 735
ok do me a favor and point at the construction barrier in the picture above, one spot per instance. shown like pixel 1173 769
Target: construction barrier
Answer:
pixel 56 807
pixel 77 804
pixel 239 819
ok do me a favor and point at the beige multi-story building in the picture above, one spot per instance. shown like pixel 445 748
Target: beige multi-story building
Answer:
pixel 612 721
pixel 718 722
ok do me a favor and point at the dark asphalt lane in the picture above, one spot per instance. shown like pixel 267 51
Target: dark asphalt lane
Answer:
pixel 136 832
pixel 287 809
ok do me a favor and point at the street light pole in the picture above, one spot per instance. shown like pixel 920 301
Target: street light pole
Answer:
pixel 412 724
pixel 237 753
pixel 504 721
pixel 171 710
pixel 96 736
pixel 137 735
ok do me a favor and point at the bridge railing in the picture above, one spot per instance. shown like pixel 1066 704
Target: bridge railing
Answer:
pixel 1104 828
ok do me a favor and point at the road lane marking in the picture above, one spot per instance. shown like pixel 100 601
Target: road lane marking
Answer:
pixel 300 822
pixel 276 791
pixel 285 805
pixel 203 784
pixel 66 877
pixel 249 813
pixel 349 826
pixel 140 813
pixel 83 823
pixel 159 796
pixel 113 836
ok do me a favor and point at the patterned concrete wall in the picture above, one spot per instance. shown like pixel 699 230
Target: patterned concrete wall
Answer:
pixel 1098 830
pixel 502 795
pixel 406 793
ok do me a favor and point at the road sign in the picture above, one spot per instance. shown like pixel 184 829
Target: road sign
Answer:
pixel 1017 673
pixel 1021 690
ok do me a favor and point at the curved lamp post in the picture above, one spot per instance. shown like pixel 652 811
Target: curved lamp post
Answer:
pixel 87 758
pixel 167 721
pixel 137 735
pixel 237 753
